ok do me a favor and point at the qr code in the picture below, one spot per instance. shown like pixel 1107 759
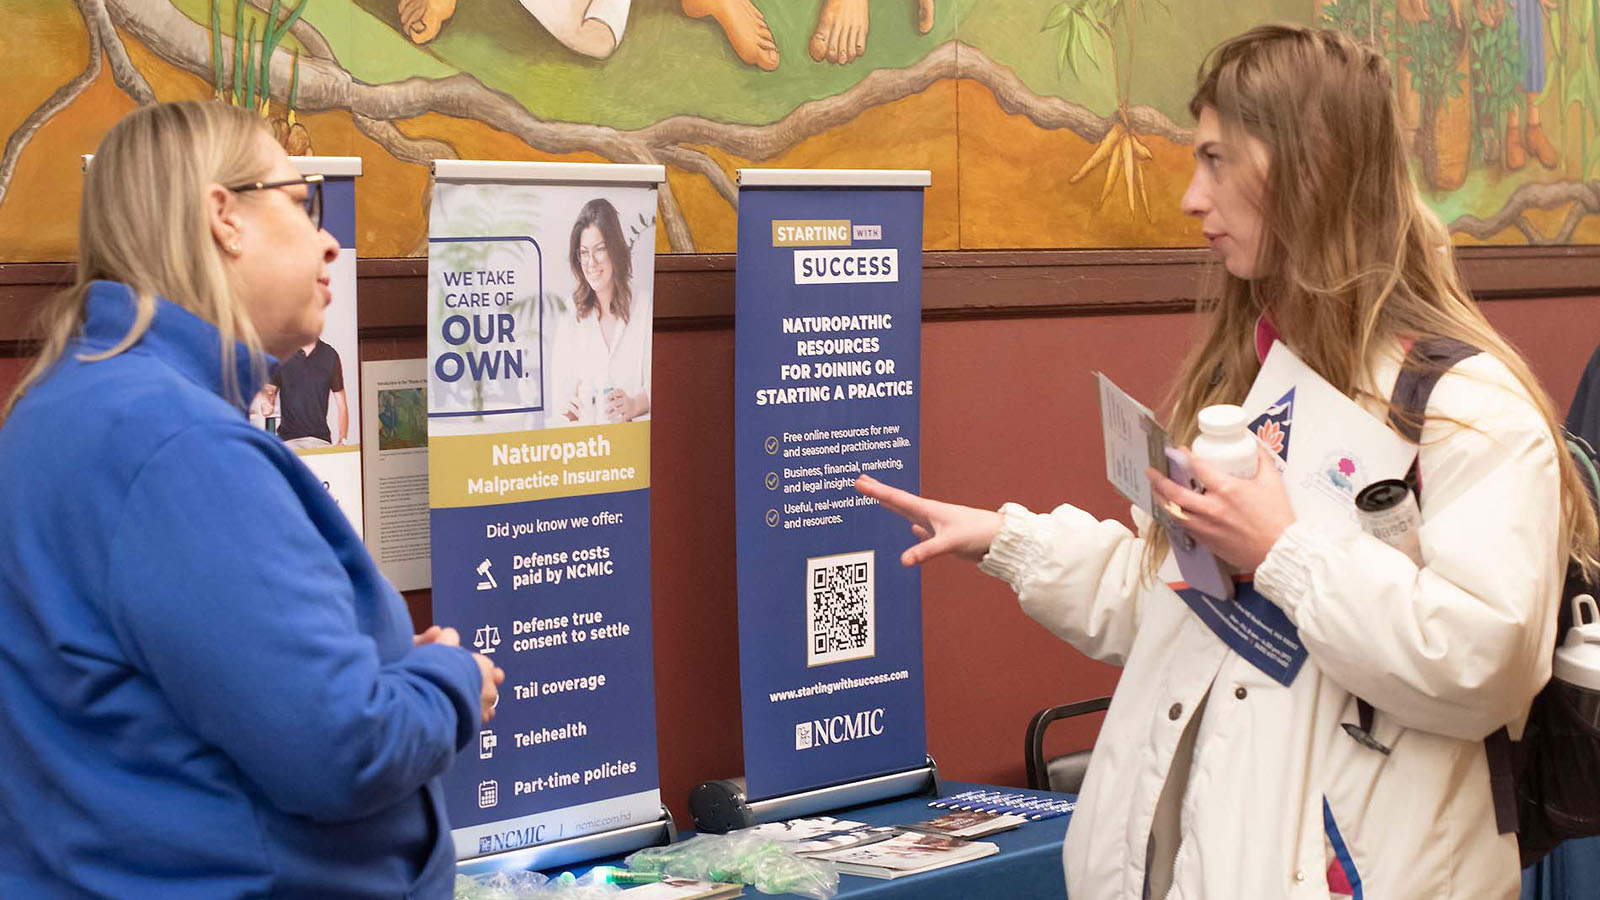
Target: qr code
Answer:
pixel 839 608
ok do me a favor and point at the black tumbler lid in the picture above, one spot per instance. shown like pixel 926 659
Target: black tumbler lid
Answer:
pixel 1381 495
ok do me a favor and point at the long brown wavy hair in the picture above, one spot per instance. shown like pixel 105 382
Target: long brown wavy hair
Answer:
pixel 1353 260
pixel 602 215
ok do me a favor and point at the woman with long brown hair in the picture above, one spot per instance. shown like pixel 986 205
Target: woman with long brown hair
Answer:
pixel 1210 779
pixel 209 689
pixel 602 354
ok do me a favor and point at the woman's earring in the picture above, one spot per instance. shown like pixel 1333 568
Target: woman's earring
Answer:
pixel 233 248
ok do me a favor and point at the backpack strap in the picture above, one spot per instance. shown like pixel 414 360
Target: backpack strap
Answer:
pixel 1502 779
pixel 1426 362
pixel 1583 455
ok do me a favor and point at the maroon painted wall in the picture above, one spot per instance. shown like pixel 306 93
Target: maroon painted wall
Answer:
pixel 1008 413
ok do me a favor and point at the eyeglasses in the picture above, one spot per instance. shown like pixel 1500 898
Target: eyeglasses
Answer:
pixel 313 199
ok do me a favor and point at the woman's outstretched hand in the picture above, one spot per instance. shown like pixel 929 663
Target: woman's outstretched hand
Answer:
pixel 940 528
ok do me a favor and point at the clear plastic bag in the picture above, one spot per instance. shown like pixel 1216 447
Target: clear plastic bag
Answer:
pixel 532 886
pixel 741 856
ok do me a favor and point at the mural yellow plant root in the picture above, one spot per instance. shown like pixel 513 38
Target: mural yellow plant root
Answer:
pixel 1124 155
pixel 1113 166
pixel 1100 152
pixel 1130 173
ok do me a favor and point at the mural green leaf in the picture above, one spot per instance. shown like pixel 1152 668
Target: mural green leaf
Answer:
pixel 1058 16
pixel 1086 42
pixel 250 66
pixel 238 52
pixel 294 16
pixel 216 47
pixel 268 42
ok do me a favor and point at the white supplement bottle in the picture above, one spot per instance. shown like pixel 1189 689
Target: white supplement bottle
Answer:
pixel 1225 440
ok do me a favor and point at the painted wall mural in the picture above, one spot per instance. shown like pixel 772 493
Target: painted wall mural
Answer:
pixel 1047 123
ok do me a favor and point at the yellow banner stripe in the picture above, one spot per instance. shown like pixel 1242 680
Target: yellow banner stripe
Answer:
pixel 325 451
pixel 514 466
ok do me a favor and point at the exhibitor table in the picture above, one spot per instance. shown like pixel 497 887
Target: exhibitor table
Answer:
pixel 1028 866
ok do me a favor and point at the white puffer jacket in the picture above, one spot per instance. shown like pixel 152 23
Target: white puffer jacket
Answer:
pixel 1281 801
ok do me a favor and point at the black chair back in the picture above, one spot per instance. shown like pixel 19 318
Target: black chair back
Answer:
pixel 1062 773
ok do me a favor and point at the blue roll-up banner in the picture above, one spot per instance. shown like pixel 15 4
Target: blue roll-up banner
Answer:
pixel 540 279
pixel 313 398
pixel 827 360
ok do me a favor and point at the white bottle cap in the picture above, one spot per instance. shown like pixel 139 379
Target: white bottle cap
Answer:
pixel 1577 661
pixel 1222 419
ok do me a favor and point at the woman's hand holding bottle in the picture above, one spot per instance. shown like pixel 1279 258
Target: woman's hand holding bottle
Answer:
pixel 1238 519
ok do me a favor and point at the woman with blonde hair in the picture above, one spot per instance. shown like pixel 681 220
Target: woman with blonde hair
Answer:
pixel 209 689
pixel 1209 778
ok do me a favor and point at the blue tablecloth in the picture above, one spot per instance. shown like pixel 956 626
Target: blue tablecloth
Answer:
pixel 1572 872
pixel 1029 862
pixel 1028 865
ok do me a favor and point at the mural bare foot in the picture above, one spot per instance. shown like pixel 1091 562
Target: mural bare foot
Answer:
pixel 745 27
pixel 841 35
pixel 422 19
pixel 924 16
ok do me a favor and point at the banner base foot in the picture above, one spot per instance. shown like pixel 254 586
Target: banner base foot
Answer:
pixel 616 842
pixel 721 805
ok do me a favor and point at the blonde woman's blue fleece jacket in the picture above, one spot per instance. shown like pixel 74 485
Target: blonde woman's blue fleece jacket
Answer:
pixel 206 688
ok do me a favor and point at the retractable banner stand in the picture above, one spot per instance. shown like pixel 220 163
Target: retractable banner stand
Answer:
pixel 312 400
pixel 827 365
pixel 540 278
pixel 313 396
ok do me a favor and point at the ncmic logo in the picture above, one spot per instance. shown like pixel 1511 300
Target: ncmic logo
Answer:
pixel 519 837
pixel 838 729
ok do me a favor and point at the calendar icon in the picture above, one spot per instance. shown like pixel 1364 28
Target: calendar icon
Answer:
pixel 488 793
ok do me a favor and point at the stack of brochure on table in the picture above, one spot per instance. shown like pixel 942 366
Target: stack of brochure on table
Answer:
pixel 809 837
pixel 906 853
pixel 969 824
pixel 885 851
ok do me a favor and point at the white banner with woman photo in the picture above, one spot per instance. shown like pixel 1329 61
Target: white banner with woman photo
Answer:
pixel 539 403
